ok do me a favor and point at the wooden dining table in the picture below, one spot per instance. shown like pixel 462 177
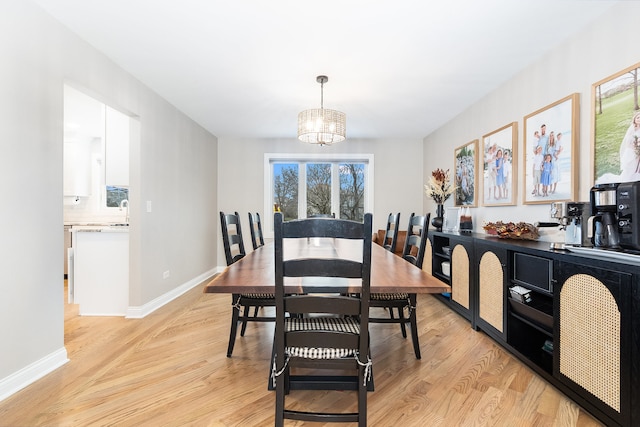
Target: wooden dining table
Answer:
pixel 255 273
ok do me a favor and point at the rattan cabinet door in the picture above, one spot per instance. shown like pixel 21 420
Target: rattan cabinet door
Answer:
pixel 491 293
pixel 462 277
pixel 593 336
pixel 460 280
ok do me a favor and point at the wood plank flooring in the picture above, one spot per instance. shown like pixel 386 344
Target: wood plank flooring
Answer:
pixel 171 369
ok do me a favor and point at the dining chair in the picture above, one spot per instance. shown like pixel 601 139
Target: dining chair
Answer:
pixel 320 330
pixel 391 233
pixel 257 238
pixel 234 251
pixel 413 252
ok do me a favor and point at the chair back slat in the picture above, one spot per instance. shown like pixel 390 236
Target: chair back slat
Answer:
pixel 320 267
pixel 337 304
pixel 321 227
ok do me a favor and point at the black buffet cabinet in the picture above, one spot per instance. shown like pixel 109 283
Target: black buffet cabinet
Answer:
pixel 573 318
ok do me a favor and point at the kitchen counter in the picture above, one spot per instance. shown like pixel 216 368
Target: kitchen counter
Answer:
pixel 101 269
pixel 110 228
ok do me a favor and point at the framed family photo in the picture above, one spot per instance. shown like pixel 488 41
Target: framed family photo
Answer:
pixel 615 128
pixel 499 183
pixel 465 161
pixel 551 152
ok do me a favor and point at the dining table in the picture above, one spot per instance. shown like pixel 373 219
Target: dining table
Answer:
pixel 255 274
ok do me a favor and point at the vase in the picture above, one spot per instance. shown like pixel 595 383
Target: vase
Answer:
pixel 438 220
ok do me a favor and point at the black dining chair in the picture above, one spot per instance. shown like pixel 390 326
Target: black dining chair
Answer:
pixel 234 251
pixel 257 238
pixel 413 252
pixel 321 331
pixel 391 232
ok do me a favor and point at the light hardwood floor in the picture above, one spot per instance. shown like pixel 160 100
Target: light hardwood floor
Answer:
pixel 170 369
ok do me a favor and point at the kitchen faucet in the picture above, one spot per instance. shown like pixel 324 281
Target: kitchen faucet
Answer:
pixel 125 203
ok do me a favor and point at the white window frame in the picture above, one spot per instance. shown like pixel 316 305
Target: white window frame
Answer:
pixel 303 159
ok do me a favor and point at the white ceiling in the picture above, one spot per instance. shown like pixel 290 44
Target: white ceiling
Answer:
pixel 397 68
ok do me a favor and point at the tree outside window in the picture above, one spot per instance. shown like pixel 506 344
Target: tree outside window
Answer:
pixel 352 191
pixel 302 188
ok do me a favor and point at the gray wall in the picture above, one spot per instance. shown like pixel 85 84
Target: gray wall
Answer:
pixel 174 167
pixel 599 51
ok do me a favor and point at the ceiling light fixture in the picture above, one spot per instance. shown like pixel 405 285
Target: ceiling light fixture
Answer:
pixel 320 126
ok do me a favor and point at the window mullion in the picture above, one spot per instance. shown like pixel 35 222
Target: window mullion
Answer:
pixel 302 190
pixel 335 189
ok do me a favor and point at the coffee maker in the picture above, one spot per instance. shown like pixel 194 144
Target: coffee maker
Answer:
pixel 628 200
pixel 603 223
pixel 574 217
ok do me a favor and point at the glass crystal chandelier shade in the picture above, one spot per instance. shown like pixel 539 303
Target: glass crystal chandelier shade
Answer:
pixel 319 125
pixel 322 126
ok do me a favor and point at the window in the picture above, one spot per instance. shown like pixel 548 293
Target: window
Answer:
pixel 115 196
pixel 301 186
pixel 285 189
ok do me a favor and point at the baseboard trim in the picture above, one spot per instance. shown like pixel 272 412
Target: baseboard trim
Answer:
pixel 31 373
pixel 138 312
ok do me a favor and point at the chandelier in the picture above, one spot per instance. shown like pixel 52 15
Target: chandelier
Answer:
pixel 319 125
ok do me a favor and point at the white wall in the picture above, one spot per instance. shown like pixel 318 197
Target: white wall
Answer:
pixel 601 50
pixel 397 181
pixel 174 166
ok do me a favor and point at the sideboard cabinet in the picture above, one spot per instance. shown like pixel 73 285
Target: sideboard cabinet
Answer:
pixel 574 319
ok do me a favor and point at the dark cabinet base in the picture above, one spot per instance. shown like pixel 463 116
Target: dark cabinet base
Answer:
pixel 531 330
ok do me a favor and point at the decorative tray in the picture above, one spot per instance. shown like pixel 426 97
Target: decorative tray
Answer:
pixel 512 230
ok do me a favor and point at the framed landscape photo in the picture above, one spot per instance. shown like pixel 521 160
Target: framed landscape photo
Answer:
pixel 615 128
pixel 465 161
pixel 499 177
pixel 551 152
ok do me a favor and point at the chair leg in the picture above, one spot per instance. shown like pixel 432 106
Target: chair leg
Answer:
pixel 362 398
pixel 402 321
pixel 235 313
pixel 245 317
pixel 414 326
pixel 281 384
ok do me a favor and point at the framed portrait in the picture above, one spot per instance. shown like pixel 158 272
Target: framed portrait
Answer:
pixel 615 128
pixel 465 161
pixel 551 152
pixel 499 173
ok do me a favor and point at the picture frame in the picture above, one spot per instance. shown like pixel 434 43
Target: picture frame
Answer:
pixel 465 160
pixel 615 127
pixel 499 171
pixel 551 152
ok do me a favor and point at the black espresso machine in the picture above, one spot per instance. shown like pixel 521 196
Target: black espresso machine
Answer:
pixel 615 215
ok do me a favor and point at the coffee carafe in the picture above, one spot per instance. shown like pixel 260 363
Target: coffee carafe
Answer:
pixel 603 223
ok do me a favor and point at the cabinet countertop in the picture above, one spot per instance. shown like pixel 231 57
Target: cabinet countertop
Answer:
pixel 541 248
pixel 100 228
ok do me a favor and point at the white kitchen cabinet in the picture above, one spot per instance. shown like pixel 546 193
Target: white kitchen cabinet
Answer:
pixel 101 270
pixel 116 148
pixel 77 169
